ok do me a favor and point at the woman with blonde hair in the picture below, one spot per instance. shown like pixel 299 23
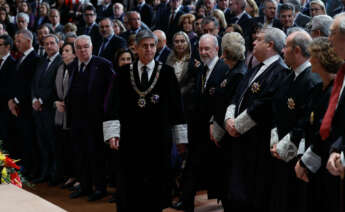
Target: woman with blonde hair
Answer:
pixel 252 8
pixel 218 14
pixel 118 27
pixel 186 24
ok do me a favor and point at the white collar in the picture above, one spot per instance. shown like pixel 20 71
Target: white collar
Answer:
pixel 177 9
pixel 240 15
pixel 5 57
pixel 85 63
pixel 27 52
pixel 149 68
pixel 212 63
pixel 52 58
pixel 270 60
pixel 301 68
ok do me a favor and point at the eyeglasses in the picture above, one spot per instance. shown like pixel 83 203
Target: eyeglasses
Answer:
pixel 314 9
pixel 89 14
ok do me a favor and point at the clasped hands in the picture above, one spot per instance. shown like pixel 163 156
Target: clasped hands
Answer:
pixel 334 165
pixel 13 107
pixel 37 106
pixel 230 127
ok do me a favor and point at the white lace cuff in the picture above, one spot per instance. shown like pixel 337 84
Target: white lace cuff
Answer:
pixel 286 149
pixel 311 160
pixel 342 159
pixel 230 112
pixel 244 122
pixel 301 147
pixel 111 129
pixel 274 137
pixel 180 134
pixel 218 131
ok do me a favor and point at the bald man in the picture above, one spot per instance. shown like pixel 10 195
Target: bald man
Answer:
pixel 289 115
pixel 163 50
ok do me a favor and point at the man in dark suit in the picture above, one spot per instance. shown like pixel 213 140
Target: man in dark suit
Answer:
pixel 146 12
pixel 239 16
pixel 110 43
pixel 163 50
pixel 89 82
pixel 91 27
pixel 202 161
pixel 7 65
pixel 301 19
pixel 54 18
pixel 104 10
pixel 42 31
pixel 248 120
pixel 289 115
pixel 134 24
pixel 286 15
pixel 168 20
pixel 42 93
pixel 20 103
pixel 269 14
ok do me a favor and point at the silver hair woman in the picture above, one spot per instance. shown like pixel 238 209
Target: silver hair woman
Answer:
pixel 233 48
pixel 181 54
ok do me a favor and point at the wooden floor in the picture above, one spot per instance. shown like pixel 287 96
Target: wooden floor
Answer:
pixel 60 198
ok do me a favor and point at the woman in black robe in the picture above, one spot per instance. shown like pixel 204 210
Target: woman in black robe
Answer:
pixel 323 188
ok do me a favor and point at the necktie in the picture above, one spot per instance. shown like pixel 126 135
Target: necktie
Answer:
pixel 102 46
pixel 81 69
pixel 144 78
pixel 203 80
pixel 88 29
pixel 41 51
pixel 255 71
pixel 172 16
pixel 325 128
pixel 252 76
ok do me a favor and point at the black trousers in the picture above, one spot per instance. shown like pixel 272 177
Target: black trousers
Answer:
pixel 46 138
pixel 91 158
pixel 22 143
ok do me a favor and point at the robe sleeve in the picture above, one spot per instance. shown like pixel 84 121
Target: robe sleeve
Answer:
pixel 111 123
pixel 177 119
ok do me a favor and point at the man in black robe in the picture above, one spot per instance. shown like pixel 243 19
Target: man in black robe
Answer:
pixel 248 120
pixel 144 111
pixel 289 112
pixel 89 83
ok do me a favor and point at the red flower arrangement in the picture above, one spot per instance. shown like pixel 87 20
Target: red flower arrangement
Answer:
pixel 9 170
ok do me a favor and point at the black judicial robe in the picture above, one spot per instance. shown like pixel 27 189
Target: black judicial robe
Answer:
pixel 323 188
pixel 289 108
pixel 228 85
pixel 228 88
pixel 249 179
pixel 145 137
pixel 204 155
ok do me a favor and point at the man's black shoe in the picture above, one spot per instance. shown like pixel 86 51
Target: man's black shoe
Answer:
pixel 39 180
pixel 97 195
pixel 113 199
pixel 77 193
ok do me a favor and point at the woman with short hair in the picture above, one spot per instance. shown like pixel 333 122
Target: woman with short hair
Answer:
pixel 311 167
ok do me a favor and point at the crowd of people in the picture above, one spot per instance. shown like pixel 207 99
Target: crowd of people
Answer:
pixel 161 99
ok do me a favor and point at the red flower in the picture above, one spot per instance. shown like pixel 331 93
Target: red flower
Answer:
pixel 15 179
pixel 10 163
